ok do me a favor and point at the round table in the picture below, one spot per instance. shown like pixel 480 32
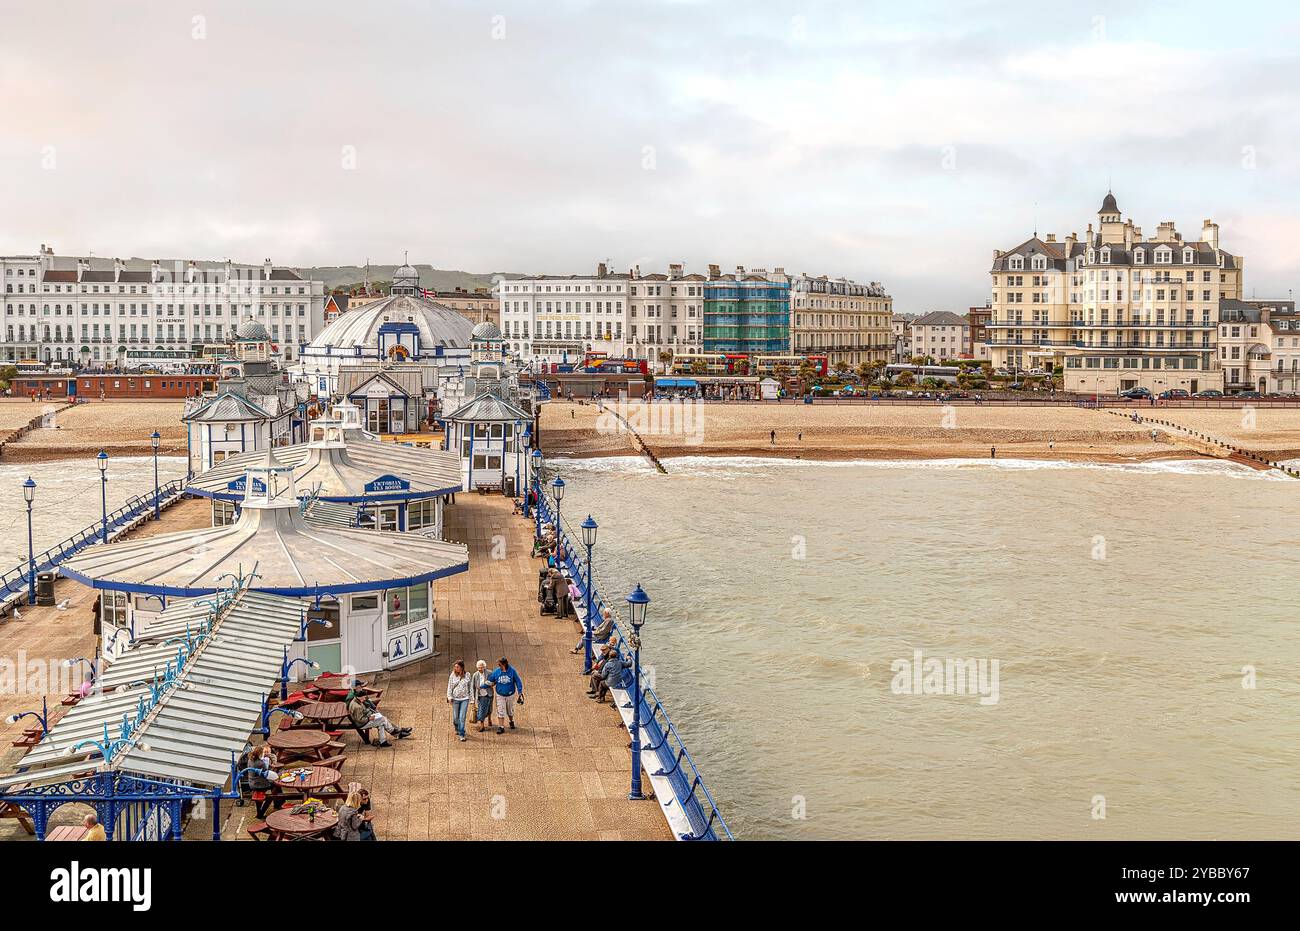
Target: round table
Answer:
pixel 299 740
pixel 323 710
pixel 320 777
pixel 282 821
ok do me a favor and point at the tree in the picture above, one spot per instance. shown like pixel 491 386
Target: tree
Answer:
pixel 7 374
pixel 699 367
pixel 841 367
pixel 865 372
pixel 665 357
pixel 904 379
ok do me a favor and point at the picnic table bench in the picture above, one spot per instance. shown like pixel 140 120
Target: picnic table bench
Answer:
pixel 66 832
pixel 487 488
pixel 10 810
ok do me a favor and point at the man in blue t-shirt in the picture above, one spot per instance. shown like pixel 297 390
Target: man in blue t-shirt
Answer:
pixel 508 685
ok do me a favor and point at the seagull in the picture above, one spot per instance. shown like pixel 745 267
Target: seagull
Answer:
pixel 17 613
pixel 63 605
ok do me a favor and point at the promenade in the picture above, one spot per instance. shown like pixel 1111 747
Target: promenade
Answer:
pixel 563 774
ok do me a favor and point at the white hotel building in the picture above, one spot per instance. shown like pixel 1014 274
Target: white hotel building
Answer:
pixel 91 311
pixel 624 314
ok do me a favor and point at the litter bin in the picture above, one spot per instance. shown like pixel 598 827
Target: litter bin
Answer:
pixel 509 486
pixel 45 588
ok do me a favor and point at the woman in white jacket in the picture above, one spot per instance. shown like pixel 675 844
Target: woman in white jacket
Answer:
pixel 458 695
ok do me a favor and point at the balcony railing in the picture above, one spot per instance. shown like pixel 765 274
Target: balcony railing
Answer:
pixel 1082 344
pixel 1115 324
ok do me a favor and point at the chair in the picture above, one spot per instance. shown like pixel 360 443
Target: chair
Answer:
pixel 258 831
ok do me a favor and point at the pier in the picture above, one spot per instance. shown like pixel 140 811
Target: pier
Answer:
pixel 564 773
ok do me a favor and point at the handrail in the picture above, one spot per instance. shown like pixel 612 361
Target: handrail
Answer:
pixel 703 813
pixel 16 579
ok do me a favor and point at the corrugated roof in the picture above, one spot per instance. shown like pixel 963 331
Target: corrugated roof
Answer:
pixel 191 732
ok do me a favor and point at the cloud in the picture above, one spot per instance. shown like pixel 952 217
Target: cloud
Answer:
pixel 892 143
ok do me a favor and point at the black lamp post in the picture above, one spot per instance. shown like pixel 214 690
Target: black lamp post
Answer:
pixel 588 540
pixel 156 440
pixel 536 457
pixel 637 602
pixel 29 495
pixel 102 461
pixel 557 490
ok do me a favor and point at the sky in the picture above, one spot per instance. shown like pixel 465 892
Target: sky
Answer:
pixel 891 142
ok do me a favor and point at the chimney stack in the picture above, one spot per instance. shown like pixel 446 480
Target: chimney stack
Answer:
pixel 266 269
pixel 715 271
pixel 602 270
pixel 1210 234
pixel 155 271
pixel 118 267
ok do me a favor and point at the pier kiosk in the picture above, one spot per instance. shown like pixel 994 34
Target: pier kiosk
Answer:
pixel 366 596
pixel 348 479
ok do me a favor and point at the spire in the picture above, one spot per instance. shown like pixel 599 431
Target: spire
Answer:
pixel 1108 205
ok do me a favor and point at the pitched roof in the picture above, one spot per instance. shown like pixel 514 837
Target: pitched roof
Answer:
pixel 941 318
pixel 488 406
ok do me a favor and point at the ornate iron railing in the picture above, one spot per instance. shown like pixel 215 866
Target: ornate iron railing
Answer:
pixel 665 741
pixel 16 580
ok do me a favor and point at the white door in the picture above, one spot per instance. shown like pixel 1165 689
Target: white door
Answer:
pixel 409 625
pixel 363 634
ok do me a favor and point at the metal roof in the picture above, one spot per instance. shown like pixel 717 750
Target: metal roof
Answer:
pixel 293 556
pixel 341 470
pixel 488 406
pixel 191 732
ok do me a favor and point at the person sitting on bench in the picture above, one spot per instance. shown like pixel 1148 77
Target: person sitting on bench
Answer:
pixel 607 673
pixel 365 717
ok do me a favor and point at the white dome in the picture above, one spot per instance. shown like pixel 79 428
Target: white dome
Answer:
pixel 406 271
pixel 438 325
pixel 486 330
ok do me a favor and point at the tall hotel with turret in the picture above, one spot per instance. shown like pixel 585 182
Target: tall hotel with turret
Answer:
pixel 1112 310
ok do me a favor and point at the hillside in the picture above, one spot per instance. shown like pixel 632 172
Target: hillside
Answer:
pixel 439 279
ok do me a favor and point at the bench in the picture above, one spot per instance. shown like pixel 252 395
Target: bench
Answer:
pixel 10 810
pixel 66 832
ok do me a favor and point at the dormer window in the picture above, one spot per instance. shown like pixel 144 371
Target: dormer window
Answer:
pixel 1105 256
pixel 1016 263
pixel 1091 257
pixel 1139 257
pixel 1164 256
pixel 1039 262
pixel 1189 257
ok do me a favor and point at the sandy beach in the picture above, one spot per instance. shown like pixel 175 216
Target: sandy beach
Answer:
pixel 905 432
pixel 120 428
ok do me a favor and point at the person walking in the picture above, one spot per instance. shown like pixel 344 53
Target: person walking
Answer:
pixel 482 689
pixel 458 695
pixel 509 685
pixel 773 438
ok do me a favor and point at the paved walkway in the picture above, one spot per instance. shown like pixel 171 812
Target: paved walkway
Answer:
pixel 563 774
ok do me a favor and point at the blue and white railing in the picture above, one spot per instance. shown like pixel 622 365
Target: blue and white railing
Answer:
pixel 663 742
pixel 16 580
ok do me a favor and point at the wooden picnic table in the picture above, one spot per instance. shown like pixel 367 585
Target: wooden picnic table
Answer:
pixel 324 710
pixel 299 742
pixel 66 832
pixel 320 777
pixel 283 824
pixel 10 810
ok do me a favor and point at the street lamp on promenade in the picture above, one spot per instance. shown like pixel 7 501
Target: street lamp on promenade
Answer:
pixel 637 602
pixel 29 495
pixel 557 490
pixel 155 439
pixel 588 540
pixel 102 461
pixel 536 457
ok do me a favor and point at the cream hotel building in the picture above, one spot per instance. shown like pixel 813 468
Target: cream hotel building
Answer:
pixel 1112 309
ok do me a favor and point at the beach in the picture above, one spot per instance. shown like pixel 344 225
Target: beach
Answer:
pixel 120 428
pixel 907 432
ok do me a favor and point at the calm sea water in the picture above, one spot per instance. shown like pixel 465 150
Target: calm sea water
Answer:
pixel 1125 606
pixel 68 497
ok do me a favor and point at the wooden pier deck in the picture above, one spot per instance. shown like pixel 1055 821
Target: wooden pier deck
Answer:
pixel 563 774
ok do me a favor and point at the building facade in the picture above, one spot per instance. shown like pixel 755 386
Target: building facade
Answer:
pixel 88 312
pixel 940 334
pixel 477 306
pixel 841 319
pixel 746 312
pixel 900 326
pixel 1113 310
pixel 977 347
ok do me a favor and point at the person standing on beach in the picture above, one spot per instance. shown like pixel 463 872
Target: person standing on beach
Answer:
pixel 993 452
pixel 773 440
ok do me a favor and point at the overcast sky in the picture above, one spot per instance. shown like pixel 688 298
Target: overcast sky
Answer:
pixel 899 142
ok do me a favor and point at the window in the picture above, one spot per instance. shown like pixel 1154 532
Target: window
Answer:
pixel 223 513
pixel 407 605
pixel 421 514
pixel 112 607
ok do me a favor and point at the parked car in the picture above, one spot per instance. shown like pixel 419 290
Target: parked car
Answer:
pixel 1211 393
pixel 1173 394
pixel 1247 394
pixel 1134 393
